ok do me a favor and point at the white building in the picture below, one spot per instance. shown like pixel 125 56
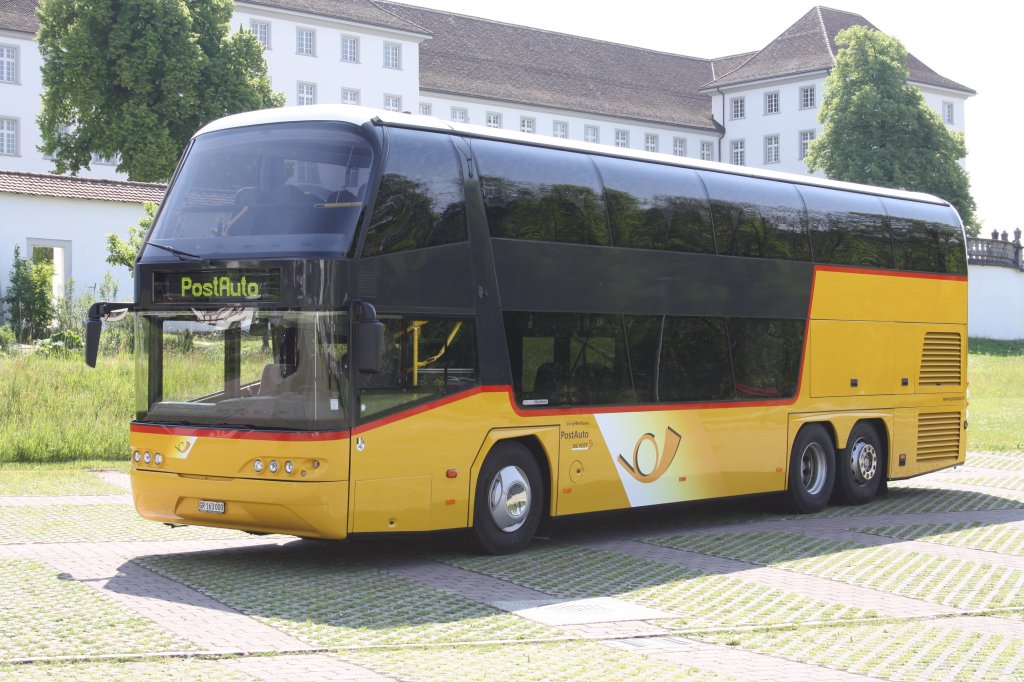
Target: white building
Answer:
pixel 759 108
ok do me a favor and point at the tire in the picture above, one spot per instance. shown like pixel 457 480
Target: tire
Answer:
pixel 509 499
pixel 860 466
pixel 812 469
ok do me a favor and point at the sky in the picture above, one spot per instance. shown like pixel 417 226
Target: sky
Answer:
pixel 977 44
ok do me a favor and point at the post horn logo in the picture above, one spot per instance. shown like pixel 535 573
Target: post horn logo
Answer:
pixel 662 459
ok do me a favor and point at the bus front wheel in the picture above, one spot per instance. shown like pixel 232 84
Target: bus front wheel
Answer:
pixel 812 469
pixel 509 499
pixel 860 467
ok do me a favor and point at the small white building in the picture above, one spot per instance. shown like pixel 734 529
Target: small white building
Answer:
pixel 71 216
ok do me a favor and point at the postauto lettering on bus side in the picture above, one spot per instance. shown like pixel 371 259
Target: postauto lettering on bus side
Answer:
pixel 220 287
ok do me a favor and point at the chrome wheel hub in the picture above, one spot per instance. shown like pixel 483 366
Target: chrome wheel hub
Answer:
pixel 813 468
pixel 509 498
pixel 863 462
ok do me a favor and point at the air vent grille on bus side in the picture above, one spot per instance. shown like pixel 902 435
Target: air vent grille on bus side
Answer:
pixel 938 435
pixel 941 359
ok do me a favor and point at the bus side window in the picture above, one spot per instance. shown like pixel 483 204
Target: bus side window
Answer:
pixel 541 194
pixel 757 218
pixel 926 237
pixel 423 359
pixel 848 229
pixel 651 206
pixel 420 202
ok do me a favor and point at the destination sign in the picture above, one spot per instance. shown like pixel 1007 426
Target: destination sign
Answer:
pixel 217 286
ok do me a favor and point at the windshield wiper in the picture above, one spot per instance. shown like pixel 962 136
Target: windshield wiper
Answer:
pixel 183 255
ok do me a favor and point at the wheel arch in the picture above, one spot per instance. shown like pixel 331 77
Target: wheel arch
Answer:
pixel 542 443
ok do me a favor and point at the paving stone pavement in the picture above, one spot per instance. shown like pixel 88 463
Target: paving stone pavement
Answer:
pixel 250 647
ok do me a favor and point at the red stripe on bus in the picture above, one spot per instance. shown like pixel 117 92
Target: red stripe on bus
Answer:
pixel 236 434
pixel 887 273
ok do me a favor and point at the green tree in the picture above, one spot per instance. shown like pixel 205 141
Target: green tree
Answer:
pixel 125 251
pixel 878 129
pixel 30 297
pixel 134 79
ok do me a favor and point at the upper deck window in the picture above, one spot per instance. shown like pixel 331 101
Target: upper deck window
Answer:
pixel 541 194
pixel 277 190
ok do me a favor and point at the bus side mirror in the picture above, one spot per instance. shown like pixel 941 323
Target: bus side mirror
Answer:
pixel 369 339
pixel 94 325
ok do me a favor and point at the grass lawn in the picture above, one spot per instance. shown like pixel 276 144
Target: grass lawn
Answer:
pixel 996 373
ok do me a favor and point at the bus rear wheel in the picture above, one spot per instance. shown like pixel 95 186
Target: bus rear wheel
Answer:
pixel 860 469
pixel 812 469
pixel 509 499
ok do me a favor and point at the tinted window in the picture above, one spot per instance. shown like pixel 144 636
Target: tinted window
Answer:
pixel 757 218
pixel 543 194
pixel 423 359
pixel 766 357
pixel 926 237
pixel 694 360
pixel 420 202
pixel 847 228
pixel 656 207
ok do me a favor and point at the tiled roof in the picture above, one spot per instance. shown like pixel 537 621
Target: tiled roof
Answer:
pixel 810 45
pixel 474 57
pixel 361 11
pixel 64 186
pixel 19 15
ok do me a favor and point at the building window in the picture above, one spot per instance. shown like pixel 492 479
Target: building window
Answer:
pixel 738 152
pixel 591 134
pixel 806 137
pixel 493 120
pixel 392 55
pixel 650 142
pixel 261 29
pixel 392 102
pixel 349 49
pixel 460 115
pixel 807 99
pixel 426 109
pixel 306 94
pixel 947 113
pixel 707 151
pixel 679 146
pixel 560 129
pixel 771 102
pixel 738 107
pixel 771 148
pixel 621 138
pixel 349 96
pixel 527 124
pixel 106 160
pixel 8 137
pixel 8 64
pixel 305 41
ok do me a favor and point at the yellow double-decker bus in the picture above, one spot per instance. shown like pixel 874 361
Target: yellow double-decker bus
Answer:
pixel 351 321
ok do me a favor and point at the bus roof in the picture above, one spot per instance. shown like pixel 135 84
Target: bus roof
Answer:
pixel 363 116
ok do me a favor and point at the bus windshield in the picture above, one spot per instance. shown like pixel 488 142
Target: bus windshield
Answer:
pixel 242 367
pixel 277 190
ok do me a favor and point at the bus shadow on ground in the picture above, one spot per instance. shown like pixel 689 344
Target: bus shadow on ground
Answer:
pixel 337 593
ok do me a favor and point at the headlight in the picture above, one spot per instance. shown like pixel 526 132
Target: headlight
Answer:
pixel 258 466
pixel 289 467
pixel 158 459
pixel 146 457
pixel 137 456
pixel 273 466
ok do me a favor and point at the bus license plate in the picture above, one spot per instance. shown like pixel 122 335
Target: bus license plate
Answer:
pixel 211 507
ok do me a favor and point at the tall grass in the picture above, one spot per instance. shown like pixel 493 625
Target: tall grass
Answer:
pixel 55 409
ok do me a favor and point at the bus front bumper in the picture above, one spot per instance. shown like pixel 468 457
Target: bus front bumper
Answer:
pixel 306 509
